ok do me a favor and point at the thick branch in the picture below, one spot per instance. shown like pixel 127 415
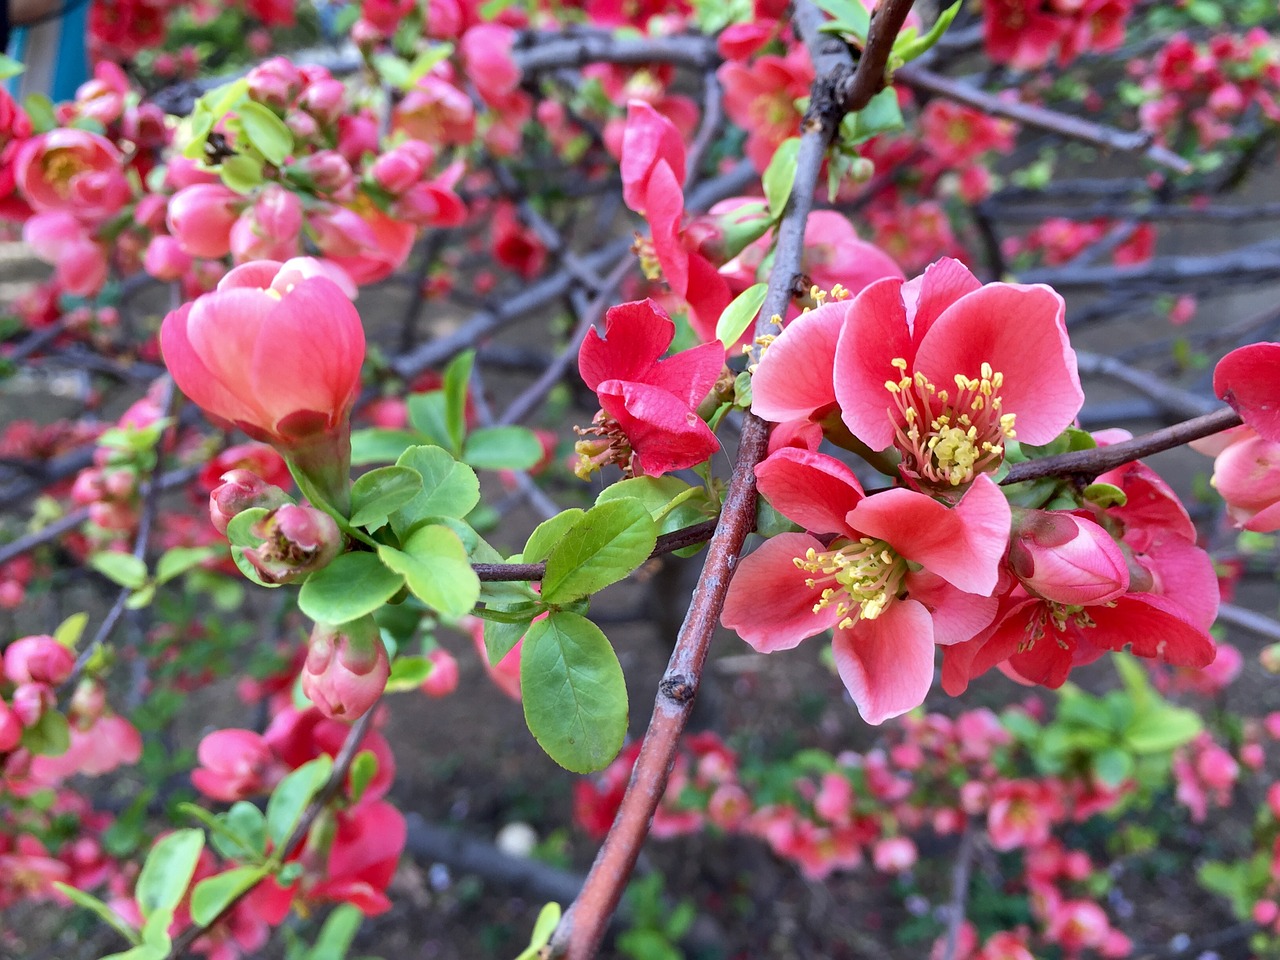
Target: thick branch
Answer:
pixel 1088 464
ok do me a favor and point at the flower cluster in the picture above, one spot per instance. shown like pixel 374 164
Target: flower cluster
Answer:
pixel 937 377
pixel 1027 33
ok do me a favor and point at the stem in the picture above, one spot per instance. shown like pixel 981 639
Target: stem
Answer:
pixel 1087 464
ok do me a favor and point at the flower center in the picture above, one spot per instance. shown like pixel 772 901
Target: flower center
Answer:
pixel 602 443
pixel 60 166
pixel 860 577
pixel 1060 615
pixel 948 437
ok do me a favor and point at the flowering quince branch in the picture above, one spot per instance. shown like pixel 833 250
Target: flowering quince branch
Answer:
pixel 580 931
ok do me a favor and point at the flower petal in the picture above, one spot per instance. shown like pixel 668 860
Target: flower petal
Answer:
pixel 664 433
pixel 795 377
pixel 811 489
pixel 887 663
pixel 930 294
pixel 1248 378
pixel 769 604
pixel 875 333
pixel 636 334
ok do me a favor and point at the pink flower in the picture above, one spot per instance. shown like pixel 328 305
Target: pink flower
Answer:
pixel 1249 380
pixel 505 674
pixel 648 422
pixel 443 678
pixel 234 765
pixel 201 217
pixel 269 229
pixel 241 490
pixel 486 52
pixel 760 99
pixel 1246 472
pixel 60 238
pixel 38 659
pixel 297 541
pixel 894 855
pixel 276 350
pixel 946 369
pixel 902 573
pixel 365 242
pixel 72 170
pixel 346 669
pixel 1022 814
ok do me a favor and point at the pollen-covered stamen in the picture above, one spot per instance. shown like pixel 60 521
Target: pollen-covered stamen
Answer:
pixel 1060 615
pixel 603 442
pixel 860 577
pixel 947 437
pixel 649 265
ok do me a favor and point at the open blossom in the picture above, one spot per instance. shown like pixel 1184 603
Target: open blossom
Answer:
pixel 647 422
pixel 942 368
pixel 72 170
pixel 902 573
pixel 234 764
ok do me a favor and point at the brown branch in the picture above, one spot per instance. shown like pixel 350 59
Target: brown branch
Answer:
pixel 1127 141
pixel 580 932
pixel 1088 464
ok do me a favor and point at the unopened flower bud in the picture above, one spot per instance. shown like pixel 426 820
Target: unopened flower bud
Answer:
pixel 88 702
pixel 38 659
pixel 242 490
pixel 298 541
pixel 275 83
pixel 234 764
pixel 396 171
pixel 346 668
pixel 329 172
pixel 325 100
pixel 443 678
pixel 10 728
pixel 894 855
pixel 1066 559
pixel 30 700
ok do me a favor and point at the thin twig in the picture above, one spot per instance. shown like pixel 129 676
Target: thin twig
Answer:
pixel 1088 464
pixel 923 79
pixel 956 909
pixel 1251 620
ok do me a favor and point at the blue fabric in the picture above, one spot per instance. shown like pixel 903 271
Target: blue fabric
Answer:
pixel 71 60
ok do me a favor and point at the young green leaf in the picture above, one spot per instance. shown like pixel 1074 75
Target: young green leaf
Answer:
pixel 176 561
pixel 605 545
pixel 779 177
pixel 457 378
pixel 543 928
pixel 291 796
pixel 373 445
pixel 100 909
pixel 550 532
pixel 120 568
pixel 214 894
pixel 449 488
pixel 434 565
pixel 70 630
pixel 168 870
pixel 352 585
pixel 376 494
pixel 267 132
pixel 502 448
pixel 738 315
pixel 573 691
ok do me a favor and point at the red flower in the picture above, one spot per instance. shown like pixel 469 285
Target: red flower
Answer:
pixel 648 422
pixel 1249 380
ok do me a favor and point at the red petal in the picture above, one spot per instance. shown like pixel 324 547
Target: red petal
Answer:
pixel 636 335
pixel 1249 379
pixel 769 604
pixel 795 378
pixel 875 333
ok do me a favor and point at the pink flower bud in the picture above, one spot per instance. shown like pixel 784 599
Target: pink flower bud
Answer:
pixel 201 217
pixel 329 172
pixel 242 490
pixel 88 702
pixel 728 806
pixel 38 659
pixel 894 855
pixel 29 702
pixel 346 668
pixel 303 126
pixel 234 764
pixel 396 171
pixel 10 729
pixel 1265 912
pixel 834 802
pixel 443 679
pixel 165 258
pixel 88 487
pixel 299 541
pixel 1066 559
pixel 325 100
pixel 275 83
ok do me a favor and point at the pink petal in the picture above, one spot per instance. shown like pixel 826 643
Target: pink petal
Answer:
pixel 1153 627
pixel 202 385
pixel 692 373
pixel 795 378
pixel 963 545
pixel 957 616
pixel 664 209
pixel 875 333
pixel 887 663
pixel 647 138
pixel 941 285
pixel 769 604
pixel 811 489
pixel 1249 379
pixel 706 292
pixel 636 335
pixel 1019 330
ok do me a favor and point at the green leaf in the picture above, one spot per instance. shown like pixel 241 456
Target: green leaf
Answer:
pixel 100 909
pixel 434 565
pixel 241 173
pixel 374 445
pixel 232 838
pixel 178 560
pixel 882 114
pixel 70 630
pixel 50 736
pixel 9 67
pixel 40 110
pixel 500 637
pixel 240 528
pixel 290 799
pixel 249 825
pixel 908 51
pixel 336 935
pixel 850 16
pixel 605 545
pixel 574 694
pixel 352 585
pixel 1162 729
pixel 457 376
pixel 392 70
pixel 363 769
pixel 214 894
pixel 407 673
pixel 376 494
pixel 267 132
pixel 427 59
pixel 550 532
pixel 1113 766
pixel 543 928
pixel 120 568
pixel 502 448
pixel 1105 495
pixel 449 488
pixel 779 177
pixel 427 416
pixel 737 316
pixel 657 494
pixel 168 870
